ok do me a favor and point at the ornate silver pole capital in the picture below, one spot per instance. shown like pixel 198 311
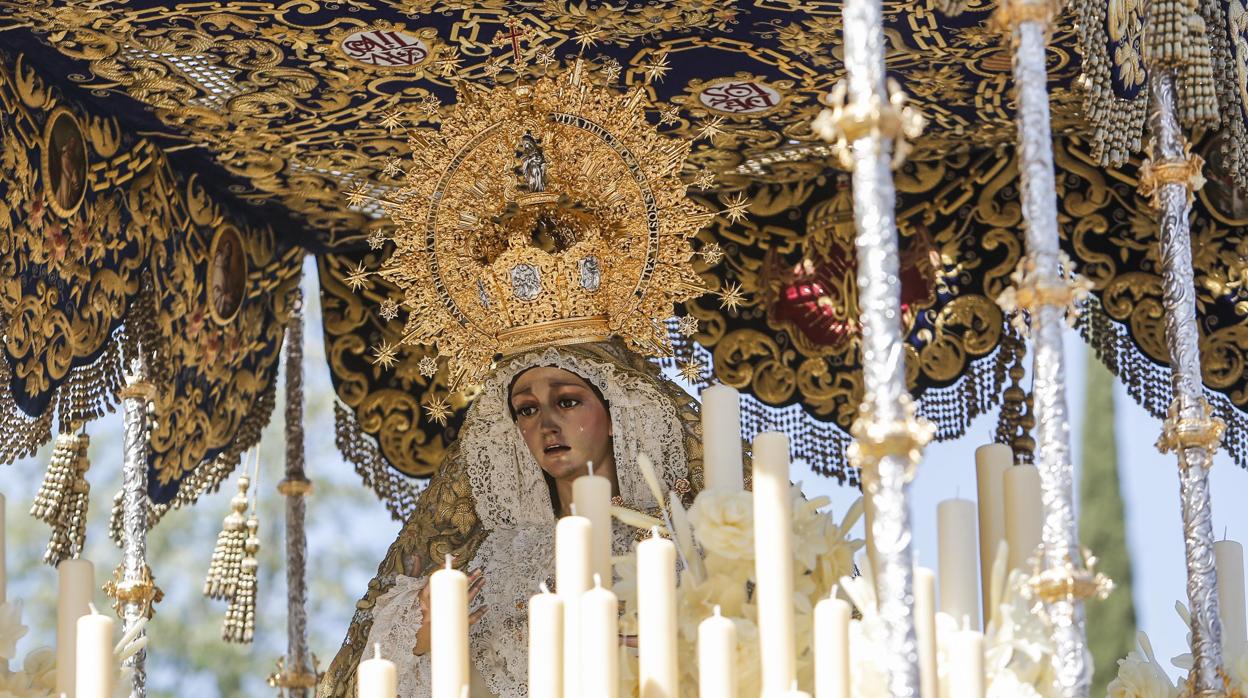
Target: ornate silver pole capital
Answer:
pixel 1063 583
pixel 1170 176
pixel 865 120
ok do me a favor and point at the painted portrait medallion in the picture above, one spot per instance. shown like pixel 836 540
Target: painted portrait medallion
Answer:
pixel 64 162
pixel 227 274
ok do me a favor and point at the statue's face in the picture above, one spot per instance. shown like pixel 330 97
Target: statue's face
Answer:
pixel 563 421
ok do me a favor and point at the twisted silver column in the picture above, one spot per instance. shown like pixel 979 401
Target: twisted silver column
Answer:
pixel 1027 22
pixel 295 676
pixel 136 591
pixel 1190 430
pixel 887 435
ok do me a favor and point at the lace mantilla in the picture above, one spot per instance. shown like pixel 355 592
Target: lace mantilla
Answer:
pixel 396 619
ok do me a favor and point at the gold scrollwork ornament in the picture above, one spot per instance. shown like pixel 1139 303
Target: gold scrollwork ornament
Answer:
pixel 1186 171
pixel 1181 433
pixel 876 439
pixel 142 591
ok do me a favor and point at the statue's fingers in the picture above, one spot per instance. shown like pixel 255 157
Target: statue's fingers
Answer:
pixel 475 588
pixel 476 615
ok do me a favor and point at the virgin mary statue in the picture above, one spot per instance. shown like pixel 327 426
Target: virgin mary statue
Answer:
pixel 567 277
pixel 493 506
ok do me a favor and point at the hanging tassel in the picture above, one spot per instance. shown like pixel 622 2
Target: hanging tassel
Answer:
pixel 240 617
pixel 63 497
pixel 227 556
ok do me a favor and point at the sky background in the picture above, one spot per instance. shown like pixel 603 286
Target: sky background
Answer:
pixel 349 531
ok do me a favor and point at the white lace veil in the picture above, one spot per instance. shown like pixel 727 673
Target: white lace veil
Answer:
pixel 507 483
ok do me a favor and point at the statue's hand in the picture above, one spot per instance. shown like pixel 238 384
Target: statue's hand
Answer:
pixel 476 580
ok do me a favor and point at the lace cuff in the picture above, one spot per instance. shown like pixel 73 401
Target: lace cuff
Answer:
pixel 397 616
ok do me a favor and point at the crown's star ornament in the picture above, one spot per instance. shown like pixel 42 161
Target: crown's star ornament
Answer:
pixel 357 277
pixel 428 366
pixel 386 355
pixel 731 297
pixel 389 309
pixel 391 120
pixel 656 69
pixel 669 114
pixel 710 128
pixel 738 204
pixel 448 62
pixel 711 253
pixel 358 195
pixel 377 240
pixel 705 180
pixel 579 228
pixel 392 167
pixel 429 106
pixel 438 409
pixel 588 38
pixel 545 56
pixel 687 325
pixel 692 371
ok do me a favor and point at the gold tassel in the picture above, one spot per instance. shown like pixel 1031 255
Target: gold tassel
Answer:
pixel 240 617
pixel 227 556
pixel 63 497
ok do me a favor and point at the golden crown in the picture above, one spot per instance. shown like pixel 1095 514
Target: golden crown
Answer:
pixel 542 212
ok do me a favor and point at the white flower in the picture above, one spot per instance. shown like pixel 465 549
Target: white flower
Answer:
pixel 11 628
pixel 724 523
pixel 40 668
pixel 1140 676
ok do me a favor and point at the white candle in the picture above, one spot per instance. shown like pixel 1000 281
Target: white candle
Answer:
pixel 95 670
pixel 572 577
pixel 966 664
pixel 832 648
pixel 1229 559
pixel 592 496
pixel 377 677
pixel 3 597
pixel 717 656
pixel 75 588
pixel 545 645
pixel 773 561
pixel 925 631
pixel 656 617
pixel 991 462
pixel 955 530
pixel 1024 513
pixel 448 631
pixel 600 643
pixel 721 438
pixel 868 520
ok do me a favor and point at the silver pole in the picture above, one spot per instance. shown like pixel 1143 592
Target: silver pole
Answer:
pixel 1170 177
pixel 136 593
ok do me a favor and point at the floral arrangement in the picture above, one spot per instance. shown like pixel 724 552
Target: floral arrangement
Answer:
pixel 1140 675
pixel 715 539
pixel 1018 649
pixel 36 677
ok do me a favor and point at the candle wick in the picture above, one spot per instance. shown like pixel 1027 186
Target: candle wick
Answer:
pixel 1224 529
pixel 376 650
pixel 94 610
pixel 590 466
pixel 448 561
pixel 654 531
pixel 716 610
pixel 545 589
pixel 836 589
pixel 597 581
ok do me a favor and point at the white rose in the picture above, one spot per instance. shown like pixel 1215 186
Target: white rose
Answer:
pixel 724 523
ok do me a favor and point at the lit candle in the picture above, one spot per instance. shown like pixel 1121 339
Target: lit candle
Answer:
pixel 966 664
pixel 773 561
pixel 832 648
pixel 377 677
pixel 721 438
pixel 717 656
pixel 600 643
pixel 1229 559
pixel 75 585
pixel 1024 513
pixel 925 631
pixel 572 577
pixel 592 496
pixel 991 462
pixel 95 669
pixel 448 628
pixel 955 531
pixel 656 617
pixel 545 645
